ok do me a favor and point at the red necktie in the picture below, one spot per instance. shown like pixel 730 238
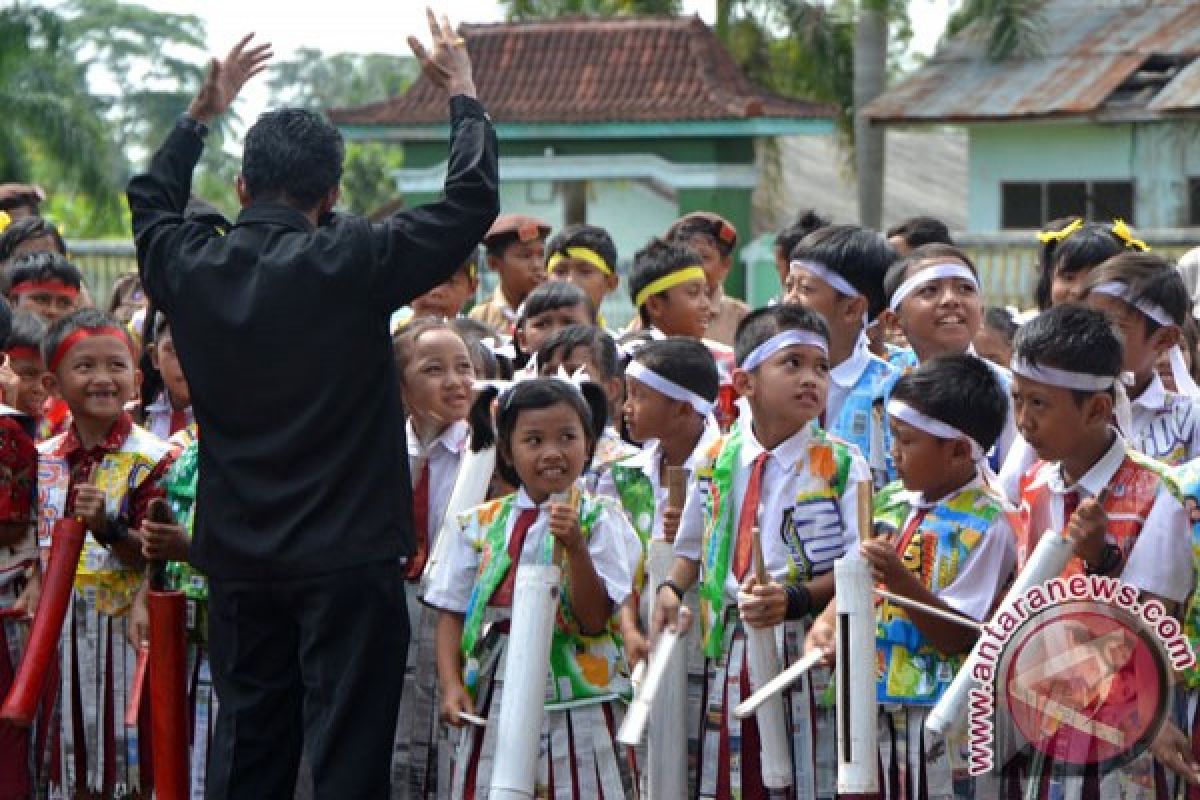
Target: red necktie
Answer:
pixel 910 530
pixel 420 505
pixel 179 420
pixel 748 518
pixel 1070 506
pixel 504 592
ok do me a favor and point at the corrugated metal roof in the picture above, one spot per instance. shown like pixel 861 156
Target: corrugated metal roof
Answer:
pixel 1090 64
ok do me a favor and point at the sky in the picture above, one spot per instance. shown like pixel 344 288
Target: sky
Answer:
pixel 371 26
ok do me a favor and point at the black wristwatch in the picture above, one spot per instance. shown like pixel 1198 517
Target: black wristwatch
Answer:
pixel 1109 560
pixel 673 586
pixel 192 124
pixel 799 601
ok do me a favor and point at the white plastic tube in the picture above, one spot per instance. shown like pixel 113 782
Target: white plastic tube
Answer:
pixel 666 745
pixel 762 657
pixel 526 670
pixel 1048 560
pixel 857 734
pixel 470 489
pixel 777 684
pixel 638 716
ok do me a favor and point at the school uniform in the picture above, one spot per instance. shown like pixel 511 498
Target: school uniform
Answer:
pixel 1166 425
pixel 97 752
pixel 727 313
pixel 805 492
pixel 854 407
pixel 588 673
pixel 610 450
pixel 1186 713
pixel 1147 521
pixel 421 753
pixel 496 313
pixel 960 548
pixel 164 420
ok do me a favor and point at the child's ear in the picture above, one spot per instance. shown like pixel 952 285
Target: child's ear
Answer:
pixel 494 262
pixel 655 305
pixel 137 385
pixel 743 382
pixel 960 451
pixel 50 384
pixel 519 335
pixel 1165 338
pixel 855 309
pixel 1098 410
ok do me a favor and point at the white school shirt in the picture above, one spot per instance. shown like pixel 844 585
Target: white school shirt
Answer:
pixel 444 455
pixel 158 416
pixel 649 461
pixel 844 377
pixel 988 566
pixel 614 547
pixel 785 472
pixel 1161 559
pixel 1165 426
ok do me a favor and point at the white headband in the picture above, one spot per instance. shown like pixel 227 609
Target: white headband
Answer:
pixel 643 374
pixel 1120 290
pixel 819 270
pixel 1183 379
pixel 950 269
pixel 779 341
pixel 1063 378
pixel 934 427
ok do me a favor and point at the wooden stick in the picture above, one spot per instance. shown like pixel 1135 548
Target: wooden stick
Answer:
pixel 760 563
pixel 676 491
pixel 916 605
pixel 866 512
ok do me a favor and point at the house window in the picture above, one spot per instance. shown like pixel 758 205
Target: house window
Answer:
pixel 1194 202
pixel 1031 205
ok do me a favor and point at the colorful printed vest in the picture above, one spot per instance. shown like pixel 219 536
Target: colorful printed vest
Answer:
pixel 861 420
pixel 584 669
pixel 810 526
pixel 639 503
pixel 1131 494
pixel 1187 478
pixel 610 448
pixel 180 486
pixel 1169 436
pixel 912 671
pixel 118 474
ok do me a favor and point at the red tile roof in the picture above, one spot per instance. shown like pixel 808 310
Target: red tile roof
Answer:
pixel 580 70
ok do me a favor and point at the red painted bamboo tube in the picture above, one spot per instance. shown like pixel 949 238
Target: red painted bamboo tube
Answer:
pixel 168 694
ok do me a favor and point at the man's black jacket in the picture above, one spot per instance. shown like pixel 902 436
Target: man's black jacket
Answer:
pixel 282 330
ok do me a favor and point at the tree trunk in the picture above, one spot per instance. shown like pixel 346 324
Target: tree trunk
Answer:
pixel 870 70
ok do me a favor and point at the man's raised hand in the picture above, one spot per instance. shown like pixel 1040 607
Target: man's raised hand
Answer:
pixel 227 77
pixel 448 66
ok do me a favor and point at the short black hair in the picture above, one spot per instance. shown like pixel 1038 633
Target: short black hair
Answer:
pixel 589 401
pixel 859 255
pixel 25 230
pixel 85 319
pixel 960 390
pixel 1000 320
pixel 293 156
pixel 658 258
pixel 926 252
pixel 917 231
pixel 552 295
pixel 683 361
pixel 564 341
pixel 1151 279
pixel 806 222
pixel 761 324
pixel 1086 248
pixel 28 330
pixel 42 267
pixel 590 236
pixel 1071 337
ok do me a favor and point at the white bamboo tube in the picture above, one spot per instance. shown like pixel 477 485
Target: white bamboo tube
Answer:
pixel 1048 560
pixel 762 660
pixel 637 716
pixel 666 746
pixel 470 489
pixel 777 684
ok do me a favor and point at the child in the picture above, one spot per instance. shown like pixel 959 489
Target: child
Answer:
pixel 994 339
pixel 171 411
pixel 515 247
pixel 593 351
pixel 783 476
pixel 1146 300
pixel 44 283
pixel 1122 515
pixel 713 238
pixel 545 432
pixel 1078 248
pixel 29 235
pixel 104 470
pixel 838 272
pixel 953 550
pixel 24 350
pixel 585 256
pixel 436 376
pixel 548 309
pixel 447 300
pixel 906 236
pixel 787 239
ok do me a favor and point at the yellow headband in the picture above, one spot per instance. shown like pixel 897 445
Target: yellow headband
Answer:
pixel 582 254
pixel 1046 237
pixel 1122 232
pixel 671 279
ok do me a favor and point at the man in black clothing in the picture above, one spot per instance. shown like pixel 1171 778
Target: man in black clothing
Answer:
pixel 303 508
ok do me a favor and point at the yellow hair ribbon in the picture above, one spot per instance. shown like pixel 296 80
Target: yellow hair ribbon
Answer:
pixel 5 220
pixel 668 281
pixel 1122 232
pixel 1046 237
pixel 581 254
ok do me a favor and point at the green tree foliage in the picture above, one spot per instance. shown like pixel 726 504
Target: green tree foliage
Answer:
pixel 1009 28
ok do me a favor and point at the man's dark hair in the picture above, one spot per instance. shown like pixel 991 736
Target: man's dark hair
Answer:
pixel 806 223
pixel 292 156
pixel 564 341
pixel 859 255
pixel 590 236
pixel 1150 279
pixel 761 324
pixel 960 390
pixel 42 267
pixel 27 230
pixel 28 330
pixel 926 252
pixel 658 258
pixel 683 361
pixel 85 319
pixel 917 231
pixel 1071 337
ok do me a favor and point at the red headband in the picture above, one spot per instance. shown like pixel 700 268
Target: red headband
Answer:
pixel 78 336
pixel 52 285
pixel 21 351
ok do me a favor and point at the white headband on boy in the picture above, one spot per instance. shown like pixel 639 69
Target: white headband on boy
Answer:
pixel 658 383
pixel 819 270
pixel 789 338
pixel 1063 378
pixel 950 269
pixel 1120 290
pixel 934 427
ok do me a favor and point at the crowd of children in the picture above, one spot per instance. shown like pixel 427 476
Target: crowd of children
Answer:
pixel 879 371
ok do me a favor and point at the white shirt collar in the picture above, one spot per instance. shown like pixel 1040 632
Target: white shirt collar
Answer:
pixel 1154 397
pixel 787 453
pixel 524 501
pixel 917 499
pixel 453 439
pixel 647 458
pixel 1095 479
pixel 847 373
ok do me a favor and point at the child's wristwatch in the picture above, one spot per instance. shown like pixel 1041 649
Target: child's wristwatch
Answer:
pixel 1109 560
